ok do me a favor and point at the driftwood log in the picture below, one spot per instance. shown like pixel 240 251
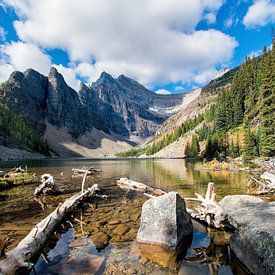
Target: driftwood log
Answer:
pixel 48 186
pixel 89 171
pixel 13 172
pixel 126 183
pixel 265 186
pixel 209 210
pixel 27 251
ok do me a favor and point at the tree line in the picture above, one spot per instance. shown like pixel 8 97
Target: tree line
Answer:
pixel 16 127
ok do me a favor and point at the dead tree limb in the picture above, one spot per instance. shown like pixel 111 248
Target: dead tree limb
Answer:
pixel 91 170
pixel 47 186
pixel 209 210
pixel 138 186
pixel 22 257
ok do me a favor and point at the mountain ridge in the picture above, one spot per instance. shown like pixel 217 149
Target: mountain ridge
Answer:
pixel 121 106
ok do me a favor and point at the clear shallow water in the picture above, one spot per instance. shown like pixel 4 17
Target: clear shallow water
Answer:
pixel 19 211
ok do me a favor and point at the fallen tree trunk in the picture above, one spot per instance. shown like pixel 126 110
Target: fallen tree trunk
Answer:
pixel 140 187
pixel 22 257
pixel 47 186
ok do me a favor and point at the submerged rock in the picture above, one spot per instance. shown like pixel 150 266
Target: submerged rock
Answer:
pixel 164 221
pixel 254 241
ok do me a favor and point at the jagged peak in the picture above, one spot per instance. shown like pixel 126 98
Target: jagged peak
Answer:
pixel 17 75
pixel 106 76
pixel 53 71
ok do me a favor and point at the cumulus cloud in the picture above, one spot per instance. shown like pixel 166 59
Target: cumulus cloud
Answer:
pixel 20 56
pixel 163 92
pixel 260 13
pixel 153 41
pixel 24 55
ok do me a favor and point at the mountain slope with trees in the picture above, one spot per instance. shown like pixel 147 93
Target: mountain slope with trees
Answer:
pixel 238 119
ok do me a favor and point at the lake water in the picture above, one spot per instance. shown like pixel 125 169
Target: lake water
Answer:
pixel 67 253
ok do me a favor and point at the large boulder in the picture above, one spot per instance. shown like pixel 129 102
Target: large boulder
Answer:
pixel 254 241
pixel 164 221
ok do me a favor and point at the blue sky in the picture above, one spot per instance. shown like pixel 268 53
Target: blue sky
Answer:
pixel 167 45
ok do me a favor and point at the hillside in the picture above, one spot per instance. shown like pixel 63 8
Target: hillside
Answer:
pixel 233 115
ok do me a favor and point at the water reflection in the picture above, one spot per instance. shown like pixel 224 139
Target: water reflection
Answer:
pixel 19 210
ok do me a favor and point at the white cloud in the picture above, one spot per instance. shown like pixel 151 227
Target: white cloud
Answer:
pixel 210 18
pixel 153 41
pixel 5 71
pixel 2 34
pixel 228 22
pixel 22 56
pixel 260 13
pixel 163 92
pixel 69 75
pixel 179 88
pixel 205 76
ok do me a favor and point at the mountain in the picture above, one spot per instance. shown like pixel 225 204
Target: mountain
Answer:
pixel 233 116
pixel 110 112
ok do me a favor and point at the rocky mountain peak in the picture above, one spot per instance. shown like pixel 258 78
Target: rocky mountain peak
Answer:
pixel 105 78
pixel 16 76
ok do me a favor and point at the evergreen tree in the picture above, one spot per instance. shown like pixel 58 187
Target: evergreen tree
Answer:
pixel 250 144
pixel 267 125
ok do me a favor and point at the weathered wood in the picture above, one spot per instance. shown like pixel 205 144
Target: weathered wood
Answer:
pixel 140 187
pixel 47 186
pixel 91 171
pixel 209 210
pixel 265 187
pixel 22 257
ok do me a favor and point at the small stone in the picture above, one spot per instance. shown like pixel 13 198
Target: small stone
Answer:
pixel 100 239
pixel 135 217
pixel 115 239
pixel 114 222
pixel 121 230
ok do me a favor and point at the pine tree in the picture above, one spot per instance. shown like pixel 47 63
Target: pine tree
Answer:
pixel 250 144
pixel 267 125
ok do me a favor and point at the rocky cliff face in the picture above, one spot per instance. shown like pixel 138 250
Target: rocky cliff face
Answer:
pixel 122 105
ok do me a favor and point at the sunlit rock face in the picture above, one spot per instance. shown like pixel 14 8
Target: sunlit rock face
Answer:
pixel 164 221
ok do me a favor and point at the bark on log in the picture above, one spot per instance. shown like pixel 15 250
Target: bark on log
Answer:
pixel 22 257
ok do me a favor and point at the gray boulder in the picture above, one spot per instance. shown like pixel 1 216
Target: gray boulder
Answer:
pixel 254 241
pixel 164 221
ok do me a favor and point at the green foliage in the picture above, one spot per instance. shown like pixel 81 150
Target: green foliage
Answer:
pixel 192 149
pixel 17 128
pixel 250 149
pixel 166 140
pixel 267 112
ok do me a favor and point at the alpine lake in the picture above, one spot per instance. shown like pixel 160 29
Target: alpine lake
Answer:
pixel 100 237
